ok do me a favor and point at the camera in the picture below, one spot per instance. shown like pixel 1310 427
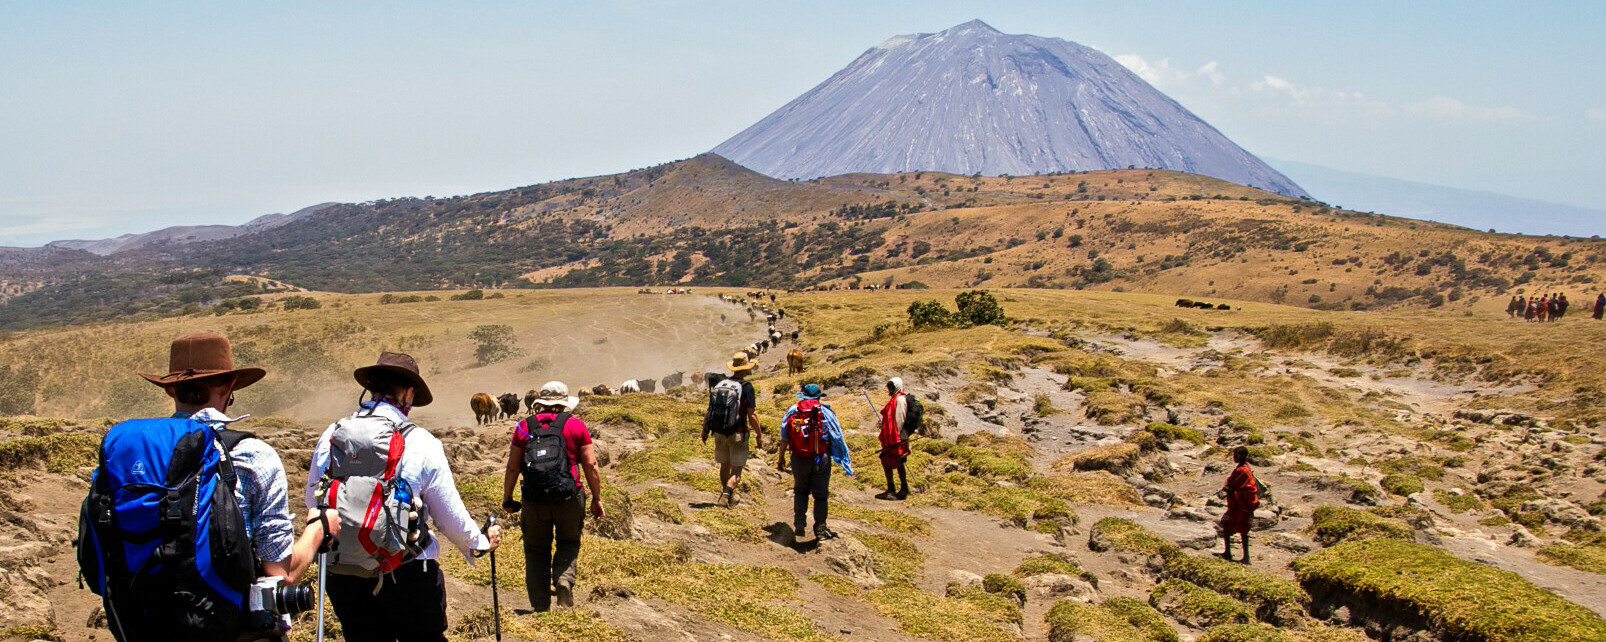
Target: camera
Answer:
pixel 270 598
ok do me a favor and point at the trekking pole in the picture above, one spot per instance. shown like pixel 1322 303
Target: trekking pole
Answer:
pixel 496 600
pixel 323 553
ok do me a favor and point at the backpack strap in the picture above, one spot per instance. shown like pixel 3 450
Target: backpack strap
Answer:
pixel 228 439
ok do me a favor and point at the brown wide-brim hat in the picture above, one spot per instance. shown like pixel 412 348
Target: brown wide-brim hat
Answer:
pixel 203 355
pixel 398 365
pixel 740 362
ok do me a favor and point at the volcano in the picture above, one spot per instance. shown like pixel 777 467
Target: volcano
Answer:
pixel 972 99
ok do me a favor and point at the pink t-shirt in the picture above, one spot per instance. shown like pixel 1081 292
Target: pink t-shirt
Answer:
pixel 575 436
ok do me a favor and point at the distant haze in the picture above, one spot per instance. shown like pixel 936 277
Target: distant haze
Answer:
pixel 1474 209
pixel 972 99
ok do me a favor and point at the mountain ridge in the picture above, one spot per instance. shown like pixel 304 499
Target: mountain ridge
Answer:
pixel 183 234
pixel 972 99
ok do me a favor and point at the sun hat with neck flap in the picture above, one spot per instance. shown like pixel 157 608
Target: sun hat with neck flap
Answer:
pixel 203 355
pixel 399 366
pixel 556 394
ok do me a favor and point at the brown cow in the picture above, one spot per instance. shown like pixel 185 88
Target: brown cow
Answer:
pixel 529 400
pixel 794 362
pixel 484 408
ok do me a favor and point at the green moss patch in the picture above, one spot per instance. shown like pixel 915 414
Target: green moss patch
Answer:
pixel 1245 633
pixel 836 584
pixel 1458 503
pixel 998 607
pixel 1459 599
pixel 1053 564
pixel 1165 432
pixel 1333 524
pixel 1144 617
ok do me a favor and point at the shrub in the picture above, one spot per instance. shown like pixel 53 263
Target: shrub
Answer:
pixel 494 343
pixel 297 302
pixel 929 314
pixel 979 307
pixel 471 295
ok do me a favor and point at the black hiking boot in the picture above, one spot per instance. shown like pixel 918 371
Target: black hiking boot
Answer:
pixel 887 495
pixel 823 533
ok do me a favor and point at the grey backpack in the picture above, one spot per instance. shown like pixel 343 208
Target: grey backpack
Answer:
pixel 380 527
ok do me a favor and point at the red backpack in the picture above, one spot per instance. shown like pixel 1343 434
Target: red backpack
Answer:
pixel 804 429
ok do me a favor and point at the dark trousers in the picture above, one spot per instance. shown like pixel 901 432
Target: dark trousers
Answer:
pixel 811 476
pixel 411 605
pixel 544 568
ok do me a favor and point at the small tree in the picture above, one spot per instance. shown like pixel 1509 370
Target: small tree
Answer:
pixel 494 343
pixel 978 307
pixel 929 314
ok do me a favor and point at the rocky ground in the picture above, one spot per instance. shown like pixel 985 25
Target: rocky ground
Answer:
pixel 1041 443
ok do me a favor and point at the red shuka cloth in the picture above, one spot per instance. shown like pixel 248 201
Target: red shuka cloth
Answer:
pixel 1243 496
pixel 894 449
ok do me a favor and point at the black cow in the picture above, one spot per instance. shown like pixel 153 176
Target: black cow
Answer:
pixel 510 404
pixel 1184 303
pixel 647 384
pixel 713 378
pixel 673 380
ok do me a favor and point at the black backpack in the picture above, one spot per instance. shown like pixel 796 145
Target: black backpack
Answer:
pixel 913 415
pixel 725 407
pixel 548 473
pixel 161 538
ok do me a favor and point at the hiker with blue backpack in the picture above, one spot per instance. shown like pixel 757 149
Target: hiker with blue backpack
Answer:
pixel 186 533
pixel 550 449
pixel 810 430
pixel 389 481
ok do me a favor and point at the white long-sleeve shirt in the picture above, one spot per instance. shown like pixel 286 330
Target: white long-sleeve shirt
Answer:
pixel 425 468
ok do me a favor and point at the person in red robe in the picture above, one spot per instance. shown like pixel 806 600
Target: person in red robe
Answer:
pixel 895 439
pixel 1242 491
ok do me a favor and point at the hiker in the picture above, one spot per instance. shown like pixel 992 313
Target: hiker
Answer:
pixel 811 432
pixel 1600 305
pixel 550 447
pixel 385 586
pixel 732 414
pixel 1561 307
pixel 1533 309
pixel 1242 491
pixel 253 522
pixel 899 418
pixel 1515 306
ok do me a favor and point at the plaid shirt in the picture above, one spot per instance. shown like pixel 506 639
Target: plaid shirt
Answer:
pixel 262 491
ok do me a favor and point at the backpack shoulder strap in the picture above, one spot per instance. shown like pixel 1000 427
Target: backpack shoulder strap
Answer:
pixel 229 439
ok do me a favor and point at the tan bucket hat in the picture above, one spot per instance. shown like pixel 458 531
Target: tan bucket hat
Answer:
pixel 554 393
pixel 399 365
pixel 203 355
pixel 741 362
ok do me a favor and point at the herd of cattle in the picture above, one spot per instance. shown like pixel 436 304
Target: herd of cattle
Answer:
pixel 507 405
pixel 1202 305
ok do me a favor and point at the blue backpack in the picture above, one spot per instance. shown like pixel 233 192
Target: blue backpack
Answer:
pixel 161 537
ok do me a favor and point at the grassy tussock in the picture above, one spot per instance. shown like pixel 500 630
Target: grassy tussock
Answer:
pixel 1583 558
pixel 1461 600
pixel 1275 600
pixel 895 520
pixel 998 607
pixel 1165 432
pixel 837 584
pixel 1126 536
pixel 1142 616
pixel 939 617
pixel 1115 458
pixel 893 558
pixel 1022 506
pixel 56 453
pixel 1458 503
pixel 1198 606
pixel 561 625
pixel 655 502
pixel 1072 621
pixel 1052 564
pixel 1402 484
pixel 1093 487
pixel 1335 524
pixel 744 523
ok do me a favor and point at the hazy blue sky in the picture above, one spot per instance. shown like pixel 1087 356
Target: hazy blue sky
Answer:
pixel 129 116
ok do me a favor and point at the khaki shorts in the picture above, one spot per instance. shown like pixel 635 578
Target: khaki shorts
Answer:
pixel 731 449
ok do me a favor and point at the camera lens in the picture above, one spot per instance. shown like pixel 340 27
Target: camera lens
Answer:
pixel 292 598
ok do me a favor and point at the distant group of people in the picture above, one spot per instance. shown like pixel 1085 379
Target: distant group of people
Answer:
pixel 1550 307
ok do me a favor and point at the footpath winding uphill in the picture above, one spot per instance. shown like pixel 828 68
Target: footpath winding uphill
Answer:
pixel 1064 489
